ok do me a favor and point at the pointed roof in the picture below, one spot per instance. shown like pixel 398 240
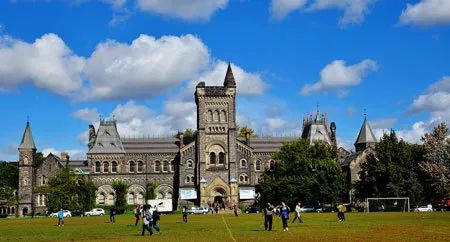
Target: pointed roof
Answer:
pixel 229 78
pixel 27 139
pixel 365 134
pixel 108 140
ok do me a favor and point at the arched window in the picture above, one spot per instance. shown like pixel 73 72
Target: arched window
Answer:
pixel 221 158
pixel 209 116
pixel 188 179
pixel 169 195
pixel 114 167
pixel 25 160
pixel 241 178
pixel 223 116
pixel 97 167
pixel 243 163
pixel 130 199
pixel 140 166
pixel 140 198
pixel 101 199
pixel 212 158
pixel 160 195
pixel 272 165
pixel 189 164
pixel 132 167
pixel 216 116
pixel 172 166
pixel 111 199
pixel 157 166
pixel 165 166
pixel 258 165
pixel 105 167
pixel 43 180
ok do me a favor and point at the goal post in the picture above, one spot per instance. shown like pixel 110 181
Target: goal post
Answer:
pixel 394 204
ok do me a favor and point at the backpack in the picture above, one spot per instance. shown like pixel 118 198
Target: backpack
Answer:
pixel 156 216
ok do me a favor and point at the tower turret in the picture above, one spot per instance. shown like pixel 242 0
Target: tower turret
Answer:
pixel 27 153
pixel 366 138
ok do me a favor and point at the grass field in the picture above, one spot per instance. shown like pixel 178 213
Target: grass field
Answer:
pixel 246 227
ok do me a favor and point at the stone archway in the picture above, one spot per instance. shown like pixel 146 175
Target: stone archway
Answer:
pixel 218 196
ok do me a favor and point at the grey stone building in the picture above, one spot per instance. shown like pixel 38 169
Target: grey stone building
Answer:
pixel 214 166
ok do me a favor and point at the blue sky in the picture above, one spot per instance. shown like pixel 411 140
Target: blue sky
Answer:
pixel 64 63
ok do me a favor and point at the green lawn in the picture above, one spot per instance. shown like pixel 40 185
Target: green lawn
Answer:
pixel 246 227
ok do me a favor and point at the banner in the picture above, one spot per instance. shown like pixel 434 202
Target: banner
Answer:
pixel 188 193
pixel 246 193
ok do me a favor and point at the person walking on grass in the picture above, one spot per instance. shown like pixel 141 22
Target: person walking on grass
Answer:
pixel 235 209
pixel 298 213
pixel 154 222
pixel 185 214
pixel 137 213
pixel 268 217
pixel 146 220
pixel 112 215
pixel 61 217
pixel 284 214
pixel 341 210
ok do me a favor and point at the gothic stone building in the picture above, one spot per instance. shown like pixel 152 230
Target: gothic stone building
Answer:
pixel 215 164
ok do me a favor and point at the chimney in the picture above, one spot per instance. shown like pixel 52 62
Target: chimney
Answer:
pixel 65 157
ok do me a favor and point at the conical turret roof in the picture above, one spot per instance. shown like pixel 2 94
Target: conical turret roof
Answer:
pixel 229 78
pixel 27 139
pixel 365 134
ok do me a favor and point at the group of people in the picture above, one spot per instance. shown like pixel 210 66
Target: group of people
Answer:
pixel 150 217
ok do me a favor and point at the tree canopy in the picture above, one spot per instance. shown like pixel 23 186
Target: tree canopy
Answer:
pixel 303 172
pixel 242 131
pixel 120 188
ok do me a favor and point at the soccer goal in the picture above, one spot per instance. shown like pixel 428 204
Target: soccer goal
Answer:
pixel 387 204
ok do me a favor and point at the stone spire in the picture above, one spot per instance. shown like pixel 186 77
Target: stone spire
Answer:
pixel 229 78
pixel 27 139
pixel 366 137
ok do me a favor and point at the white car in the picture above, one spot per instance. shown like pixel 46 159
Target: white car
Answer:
pixel 307 208
pixel 95 212
pixel 67 213
pixel 424 209
pixel 197 210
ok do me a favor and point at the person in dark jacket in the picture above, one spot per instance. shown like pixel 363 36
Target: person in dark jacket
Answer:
pixel 185 214
pixel 112 215
pixel 154 222
pixel 284 214
pixel 137 214
pixel 268 217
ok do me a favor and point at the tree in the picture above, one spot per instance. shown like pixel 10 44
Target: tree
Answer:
pixel 69 191
pixel 391 171
pixel 151 190
pixel 120 188
pixel 242 131
pixel 9 175
pixel 304 172
pixel 436 164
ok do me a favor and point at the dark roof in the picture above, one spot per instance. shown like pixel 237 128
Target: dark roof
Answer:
pixel 215 91
pixel 365 134
pixel 27 139
pixel 229 78
pixel 81 164
pixel 348 159
pixel 150 145
pixel 269 144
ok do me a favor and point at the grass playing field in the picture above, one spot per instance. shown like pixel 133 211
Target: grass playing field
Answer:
pixel 246 227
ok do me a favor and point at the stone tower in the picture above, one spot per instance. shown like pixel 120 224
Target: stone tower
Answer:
pixel 216 141
pixel 316 129
pixel 27 152
pixel 366 138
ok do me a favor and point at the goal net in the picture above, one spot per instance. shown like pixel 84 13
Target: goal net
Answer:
pixel 387 204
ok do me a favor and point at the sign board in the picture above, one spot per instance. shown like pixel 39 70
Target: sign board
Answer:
pixel 163 205
pixel 188 193
pixel 246 193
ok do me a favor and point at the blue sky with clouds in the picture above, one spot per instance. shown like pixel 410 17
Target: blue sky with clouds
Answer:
pixel 65 62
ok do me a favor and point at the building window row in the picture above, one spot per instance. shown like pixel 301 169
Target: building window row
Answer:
pixel 106 167
pixel 190 179
pixel 243 178
pixel 216 160
pixel 216 116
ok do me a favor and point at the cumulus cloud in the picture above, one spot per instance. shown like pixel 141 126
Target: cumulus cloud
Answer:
pixel 193 10
pixel 386 123
pixel 145 68
pixel 338 76
pixel 47 63
pixel 435 99
pixel 426 13
pixel 279 9
pixel 354 10
pixel 87 114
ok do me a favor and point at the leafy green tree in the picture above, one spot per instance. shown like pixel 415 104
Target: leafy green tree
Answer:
pixel 242 131
pixel 151 191
pixel 120 188
pixel 69 191
pixel 9 175
pixel 392 171
pixel 303 172
pixel 38 159
pixel 436 164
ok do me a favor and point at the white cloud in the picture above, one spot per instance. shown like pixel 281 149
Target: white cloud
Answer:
pixel 337 76
pixel 279 9
pixel 87 114
pixel 386 123
pixel 145 68
pixel 435 99
pixel 350 111
pixel 348 145
pixel 426 13
pixel 116 3
pixel 47 63
pixel 192 10
pixel 354 10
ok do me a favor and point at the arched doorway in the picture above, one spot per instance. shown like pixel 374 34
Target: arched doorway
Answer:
pixel 219 196
pixel 24 211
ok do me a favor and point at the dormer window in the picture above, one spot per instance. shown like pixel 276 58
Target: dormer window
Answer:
pixel 107 133
pixel 100 144
pixel 113 145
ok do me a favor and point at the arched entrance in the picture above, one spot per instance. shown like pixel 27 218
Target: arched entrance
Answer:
pixel 24 211
pixel 219 196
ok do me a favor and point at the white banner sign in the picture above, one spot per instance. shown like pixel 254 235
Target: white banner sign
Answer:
pixel 188 193
pixel 246 193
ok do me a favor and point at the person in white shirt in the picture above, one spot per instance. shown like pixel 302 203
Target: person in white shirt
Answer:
pixel 146 219
pixel 298 213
